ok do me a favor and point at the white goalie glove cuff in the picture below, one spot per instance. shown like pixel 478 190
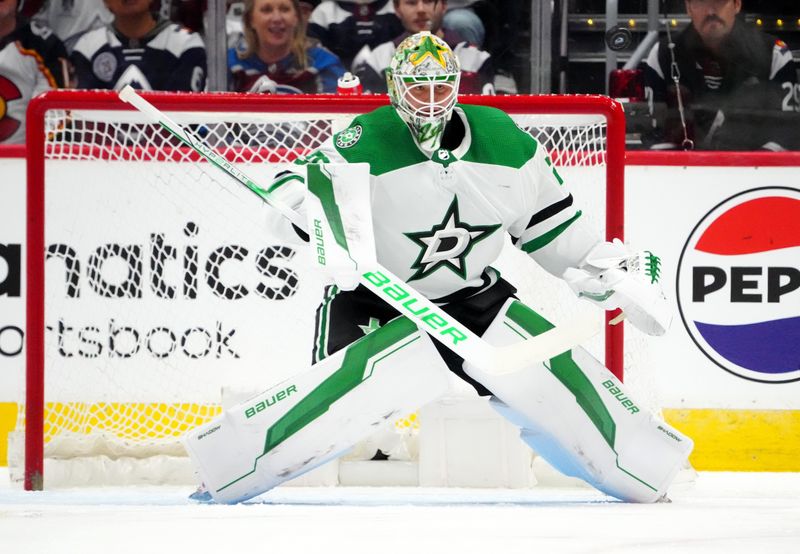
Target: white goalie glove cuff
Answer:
pixel 613 277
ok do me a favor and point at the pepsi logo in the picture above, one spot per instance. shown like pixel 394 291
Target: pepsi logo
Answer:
pixel 738 285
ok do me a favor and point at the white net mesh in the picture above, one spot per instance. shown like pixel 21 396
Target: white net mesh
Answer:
pixel 167 283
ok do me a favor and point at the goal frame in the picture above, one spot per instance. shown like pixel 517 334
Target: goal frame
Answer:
pixel 603 106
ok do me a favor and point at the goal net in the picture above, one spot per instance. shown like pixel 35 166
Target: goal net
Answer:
pixel 159 290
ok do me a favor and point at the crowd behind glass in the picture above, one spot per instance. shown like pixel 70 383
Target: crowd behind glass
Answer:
pixel 736 85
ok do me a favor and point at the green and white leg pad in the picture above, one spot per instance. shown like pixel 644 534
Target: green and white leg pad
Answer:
pixel 318 415
pixel 574 413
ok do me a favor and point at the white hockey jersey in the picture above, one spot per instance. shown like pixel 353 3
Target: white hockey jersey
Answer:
pixel 440 220
pixel 32 60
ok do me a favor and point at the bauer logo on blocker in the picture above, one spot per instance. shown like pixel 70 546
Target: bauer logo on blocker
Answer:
pixel 739 285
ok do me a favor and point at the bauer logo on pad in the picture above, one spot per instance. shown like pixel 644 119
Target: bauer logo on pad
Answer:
pixel 739 285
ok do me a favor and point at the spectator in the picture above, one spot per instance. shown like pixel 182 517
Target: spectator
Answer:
pixel 461 17
pixel 32 60
pixel 275 54
pixel 139 49
pixel 735 82
pixel 187 13
pixel 494 27
pixel 233 23
pixel 70 19
pixel 193 9
pixel 425 15
pixel 345 27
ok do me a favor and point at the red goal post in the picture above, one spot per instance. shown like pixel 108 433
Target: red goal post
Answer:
pixel 52 137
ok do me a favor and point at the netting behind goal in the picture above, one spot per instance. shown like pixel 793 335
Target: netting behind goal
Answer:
pixel 159 289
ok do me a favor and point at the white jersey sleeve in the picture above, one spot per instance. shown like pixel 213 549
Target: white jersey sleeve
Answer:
pixel 552 230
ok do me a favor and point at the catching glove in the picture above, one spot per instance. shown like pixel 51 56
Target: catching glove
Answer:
pixel 614 277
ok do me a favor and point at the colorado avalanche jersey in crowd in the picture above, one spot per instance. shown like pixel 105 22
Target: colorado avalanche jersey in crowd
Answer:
pixel 32 60
pixel 477 74
pixel 321 74
pixel 345 27
pixel 440 220
pixel 167 58
pixel 735 100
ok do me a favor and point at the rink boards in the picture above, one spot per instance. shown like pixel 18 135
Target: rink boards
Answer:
pixel 742 416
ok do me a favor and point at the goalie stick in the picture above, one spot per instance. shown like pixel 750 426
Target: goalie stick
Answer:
pixel 393 290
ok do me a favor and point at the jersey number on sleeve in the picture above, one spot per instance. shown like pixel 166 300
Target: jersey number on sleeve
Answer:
pixel 791 101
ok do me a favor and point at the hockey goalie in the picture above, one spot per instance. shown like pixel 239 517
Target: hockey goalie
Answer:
pixel 405 211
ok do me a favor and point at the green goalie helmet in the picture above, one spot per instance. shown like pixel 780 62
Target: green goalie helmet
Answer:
pixel 423 79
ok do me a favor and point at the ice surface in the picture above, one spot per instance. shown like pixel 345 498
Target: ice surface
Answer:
pixel 720 513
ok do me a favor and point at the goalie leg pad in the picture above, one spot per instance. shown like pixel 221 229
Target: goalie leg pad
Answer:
pixel 580 418
pixel 318 415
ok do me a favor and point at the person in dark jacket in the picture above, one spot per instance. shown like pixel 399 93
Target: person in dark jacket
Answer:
pixel 141 50
pixel 344 27
pixel 737 85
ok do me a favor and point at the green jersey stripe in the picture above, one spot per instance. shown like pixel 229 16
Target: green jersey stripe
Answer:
pixel 548 237
pixel 321 346
pixel 551 210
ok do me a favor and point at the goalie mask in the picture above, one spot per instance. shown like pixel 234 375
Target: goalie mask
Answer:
pixel 423 79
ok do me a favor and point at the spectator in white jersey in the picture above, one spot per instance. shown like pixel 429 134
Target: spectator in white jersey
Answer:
pixel 345 27
pixel 32 60
pixel 276 56
pixel 370 64
pixel 69 19
pixel 140 50
pixel 736 84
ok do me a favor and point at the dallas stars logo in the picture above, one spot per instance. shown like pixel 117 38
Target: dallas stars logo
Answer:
pixel 427 48
pixel 373 325
pixel 348 137
pixel 447 244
